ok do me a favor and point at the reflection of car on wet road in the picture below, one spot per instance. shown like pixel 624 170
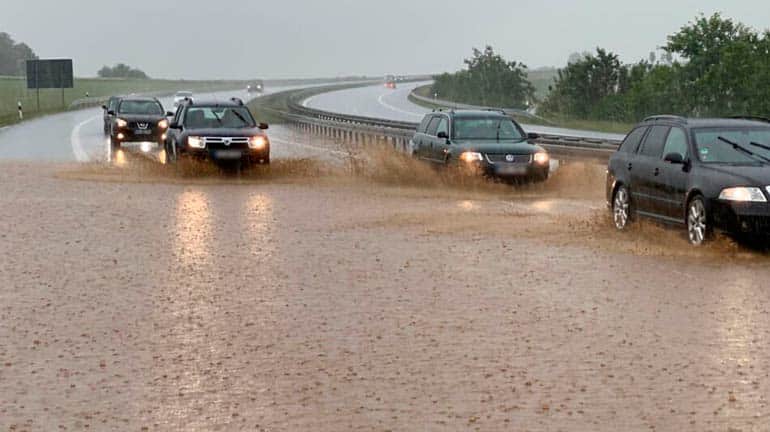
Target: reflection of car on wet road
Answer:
pixel 110 106
pixel 486 140
pixel 180 96
pixel 703 174
pixel 137 119
pixel 219 130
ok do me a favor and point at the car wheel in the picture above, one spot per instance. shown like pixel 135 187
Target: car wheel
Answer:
pixel 621 208
pixel 698 229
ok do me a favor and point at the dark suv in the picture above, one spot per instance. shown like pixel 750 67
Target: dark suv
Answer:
pixel 110 106
pixel 488 140
pixel 699 173
pixel 137 119
pixel 223 131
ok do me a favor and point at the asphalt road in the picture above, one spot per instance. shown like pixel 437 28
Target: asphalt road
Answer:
pixel 380 102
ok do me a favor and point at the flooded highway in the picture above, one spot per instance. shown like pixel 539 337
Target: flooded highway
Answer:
pixel 312 297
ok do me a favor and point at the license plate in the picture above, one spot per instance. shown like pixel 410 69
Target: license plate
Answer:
pixel 511 169
pixel 227 154
pixel 142 132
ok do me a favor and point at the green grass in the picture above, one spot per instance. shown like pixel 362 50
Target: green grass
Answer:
pixel 14 89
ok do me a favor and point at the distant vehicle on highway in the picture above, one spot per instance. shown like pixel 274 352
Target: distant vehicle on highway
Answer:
pixel 110 106
pixel 137 119
pixel 489 141
pixel 702 174
pixel 390 82
pixel 256 87
pixel 222 131
pixel 182 95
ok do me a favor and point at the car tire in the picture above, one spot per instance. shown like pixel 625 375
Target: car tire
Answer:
pixel 621 208
pixel 698 228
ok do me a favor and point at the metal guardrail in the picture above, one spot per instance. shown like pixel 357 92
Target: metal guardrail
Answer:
pixel 399 133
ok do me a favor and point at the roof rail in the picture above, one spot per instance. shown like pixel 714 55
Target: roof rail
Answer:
pixel 497 110
pixel 239 101
pixel 669 117
pixel 188 99
pixel 748 117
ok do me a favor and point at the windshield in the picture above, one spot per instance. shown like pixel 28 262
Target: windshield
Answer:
pixel 712 149
pixel 219 117
pixel 491 128
pixel 141 107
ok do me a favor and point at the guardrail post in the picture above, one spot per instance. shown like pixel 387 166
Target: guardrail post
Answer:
pixel 21 112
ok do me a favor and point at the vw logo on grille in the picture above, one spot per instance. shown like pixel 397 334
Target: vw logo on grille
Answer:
pixel 142 125
pixel 510 158
pixel 227 141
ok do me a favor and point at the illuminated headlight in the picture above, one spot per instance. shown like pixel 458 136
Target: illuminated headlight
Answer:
pixel 163 124
pixel 743 194
pixel 541 158
pixel 471 157
pixel 196 142
pixel 257 143
pixel 121 123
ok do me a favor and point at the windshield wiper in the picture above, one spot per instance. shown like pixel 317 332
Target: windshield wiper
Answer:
pixel 242 118
pixel 762 146
pixel 743 149
pixel 216 116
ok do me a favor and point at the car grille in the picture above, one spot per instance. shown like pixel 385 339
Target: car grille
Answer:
pixel 142 125
pixel 503 158
pixel 220 143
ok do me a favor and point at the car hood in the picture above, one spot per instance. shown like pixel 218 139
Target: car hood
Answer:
pixel 739 175
pixel 497 147
pixel 149 118
pixel 224 132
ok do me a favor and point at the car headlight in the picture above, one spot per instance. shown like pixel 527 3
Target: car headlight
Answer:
pixel 163 124
pixel 471 157
pixel 196 142
pixel 257 142
pixel 541 158
pixel 121 123
pixel 743 194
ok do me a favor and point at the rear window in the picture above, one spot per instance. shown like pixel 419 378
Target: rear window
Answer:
pixel 632 141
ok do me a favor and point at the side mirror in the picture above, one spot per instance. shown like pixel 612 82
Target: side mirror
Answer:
pixel 111 112
pixel 674 158
pixel 533 136
pixel 170 114
pixel 174 125
pixel 104 107
pixel 263 126
pixel 443 135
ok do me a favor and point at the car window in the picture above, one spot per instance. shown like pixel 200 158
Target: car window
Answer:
pixel 711 149
pixel 487 128
pixel 443 126
pixel 433 126
pixel 653 144
pixel 424 125
pixel 676 143
pixel 218 117
pixel 140 107
pixel 632 141
pixel 113 104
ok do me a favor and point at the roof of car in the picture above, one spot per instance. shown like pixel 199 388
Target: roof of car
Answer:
pixel 709 122
pixel 138 98
pixel 474 113
pixel 217 102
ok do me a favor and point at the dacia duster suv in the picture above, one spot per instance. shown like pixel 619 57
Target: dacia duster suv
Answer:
pixel 490 141
pixel 222 131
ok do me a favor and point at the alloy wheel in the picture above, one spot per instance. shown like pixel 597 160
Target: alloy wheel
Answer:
pixel 696 222
pixel 621 209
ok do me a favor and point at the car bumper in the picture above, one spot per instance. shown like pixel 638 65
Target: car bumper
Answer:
pixel 225 155
pixel 746 218
pixel 515 170
pixel 133 136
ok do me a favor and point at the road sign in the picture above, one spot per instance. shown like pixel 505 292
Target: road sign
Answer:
pixel 46 74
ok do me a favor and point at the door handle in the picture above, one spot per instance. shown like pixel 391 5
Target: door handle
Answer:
pixel 630 166
pixel 657 172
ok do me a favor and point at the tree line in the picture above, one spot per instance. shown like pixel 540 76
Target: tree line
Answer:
pixel 488 80
pixel 713 66
pixel 121 70
pixel 14 56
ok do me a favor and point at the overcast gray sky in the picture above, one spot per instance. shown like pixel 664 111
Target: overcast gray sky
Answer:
pixel 308 38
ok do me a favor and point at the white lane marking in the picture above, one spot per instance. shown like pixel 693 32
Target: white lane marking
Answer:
pixel 77 145
pixel 306 102
pixel 391 107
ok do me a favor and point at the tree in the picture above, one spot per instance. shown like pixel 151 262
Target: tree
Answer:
pixel 121 70
pixel 488 80
pixel 13 56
